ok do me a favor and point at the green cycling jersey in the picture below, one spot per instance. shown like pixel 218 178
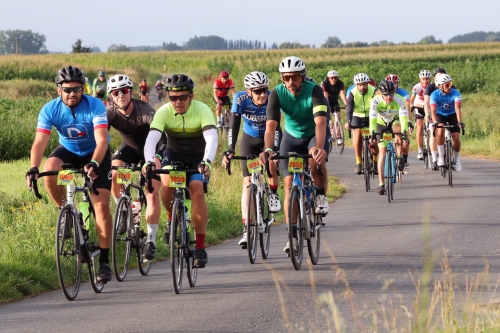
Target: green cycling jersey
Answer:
pixel 383 113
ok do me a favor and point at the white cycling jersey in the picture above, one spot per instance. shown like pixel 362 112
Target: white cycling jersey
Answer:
pixel 418 91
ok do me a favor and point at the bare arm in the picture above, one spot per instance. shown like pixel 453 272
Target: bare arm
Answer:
pixel 342 96
pixel 215 95
pixel 38 148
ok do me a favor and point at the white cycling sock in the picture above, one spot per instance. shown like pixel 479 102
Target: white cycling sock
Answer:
pixel 457 155
pixel 441 151
pixel 152 229
pixel 420 150
pixel 434 156
pixel 116 200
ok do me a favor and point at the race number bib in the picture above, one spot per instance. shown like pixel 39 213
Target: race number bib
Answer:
pixel 387 137
pixel 253 165
pixel 177 179
pixel 365 132
pixel 295 164
pixel 66 177
pixel 123 176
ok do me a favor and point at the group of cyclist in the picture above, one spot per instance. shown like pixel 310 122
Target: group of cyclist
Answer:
pixel 184 130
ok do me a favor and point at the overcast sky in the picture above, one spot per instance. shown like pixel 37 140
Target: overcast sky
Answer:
pixel 152 22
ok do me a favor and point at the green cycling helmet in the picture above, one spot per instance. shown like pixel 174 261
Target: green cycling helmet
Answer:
pixel 101 73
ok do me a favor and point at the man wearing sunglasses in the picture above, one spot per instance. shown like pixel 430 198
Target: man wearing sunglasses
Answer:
pixel 446 108
pixel 131 118
pixel 332 89
pixel 192 140
pixel 82 125
pixel 99 87
pixel 305 109
pixel 250 105
pixel 388 113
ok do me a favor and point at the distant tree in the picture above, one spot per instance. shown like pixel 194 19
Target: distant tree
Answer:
pixel 492 38
pixel 118 48
pixel 78 48
pixel 331 42
pixel 429 40
pixel 96 49
pixel 288 45
pixel 383 43
pixel 404 43
pixel 265 46
pixel 27 42
pixel 171 47
pixel 206 43
pixel 374 44
pixel 145 48
pixel 476 36
pixel 274 46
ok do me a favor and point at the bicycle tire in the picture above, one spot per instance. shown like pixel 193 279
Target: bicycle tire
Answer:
pixel 366 166
pixel 388 168
pixel 192 272
pixel 313 243
pixel 140 239
pixel 294 216
pixel 176 245
pixel 265 237
pixel 332 135
pixel 121 244
pixel 68 257
pixel 93 252
pixel 426 158
pixel 393 174
pixel 251 224
pixel 450 162
pixel 340 148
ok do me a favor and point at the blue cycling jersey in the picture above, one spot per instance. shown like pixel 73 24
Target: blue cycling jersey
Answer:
pixel 76 134
pixel 445 103
pixel 254 117
pixel 403 93
pixel 349 90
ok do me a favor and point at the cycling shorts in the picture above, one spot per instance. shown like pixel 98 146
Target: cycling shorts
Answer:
pixel 102 180
pixel 384 128
pixel 129 155
pixel 144 92
pixel 225 100
pixel 419 113
pixel 335 108
pixel 297 145
pixel 451 120
pixel 251 146
pixel 190 161
pixel 358 122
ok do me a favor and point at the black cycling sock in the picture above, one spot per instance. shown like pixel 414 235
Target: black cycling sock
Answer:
pixel 405 157
pixel 320 191
pixel 104 257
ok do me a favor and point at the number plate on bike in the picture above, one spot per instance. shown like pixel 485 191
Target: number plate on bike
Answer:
pixel 387 137
pixel 178 179
pixel 66 177
pixel 253 165
pixel 365 131
pixel 123 176
pixel 295 164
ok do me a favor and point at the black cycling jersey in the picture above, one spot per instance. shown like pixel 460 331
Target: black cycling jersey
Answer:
pixel 333 91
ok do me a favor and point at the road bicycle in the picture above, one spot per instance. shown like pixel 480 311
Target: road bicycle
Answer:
pixel 392 174
pixel 449 152
pixel 367 158
pixel 182 236
pixel 427 148
pixel 337 131
pixel 76 233
pixel 224 125
pixel 258 218
pixel 133 237
pixel 304 222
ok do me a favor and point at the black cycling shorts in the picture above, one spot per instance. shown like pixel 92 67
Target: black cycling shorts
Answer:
pixel 190 161
pixel 102 180
pixel 419 113
pixel 451 120
pixel 129 155
pixel 249 146
pixel 358 122
pixel 225 100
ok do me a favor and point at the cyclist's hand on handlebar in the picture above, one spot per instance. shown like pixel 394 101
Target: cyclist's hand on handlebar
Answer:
pixel 92 170
pixel 227 156
pixel 461 124
pixel 32 171
pixel 347 125
pixel 205 167
pixel 219 102
pixel 319 155
pixel 148 165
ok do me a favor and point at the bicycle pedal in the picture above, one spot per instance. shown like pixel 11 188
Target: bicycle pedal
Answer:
pixel 322 224
pixel 244 247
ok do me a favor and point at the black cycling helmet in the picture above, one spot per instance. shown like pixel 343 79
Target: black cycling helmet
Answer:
pixel 386 86
pixel 179 82
pixel 70 74
pixel 439 70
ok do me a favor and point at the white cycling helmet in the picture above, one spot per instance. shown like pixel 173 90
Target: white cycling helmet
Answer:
pixel 119 81
pixel 333 73
pixel 442 79
pixel 292 64
pixel 425 74
pixel 361 78
pixel 255 80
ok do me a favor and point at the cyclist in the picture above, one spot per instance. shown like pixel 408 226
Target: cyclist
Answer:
pixel 387 113
pixel 82 125
pixel 427 97
pixel 144 91
pixel 446 107
pixel 371 82
pixel 220 94
pixel 358 111
pixel 131 118
pixel 417 100
pixel 332 89
pixel 87 90
pixel 305 109
pixel 99 89
pixel 192 140
pixel 403 93
pixel 250 105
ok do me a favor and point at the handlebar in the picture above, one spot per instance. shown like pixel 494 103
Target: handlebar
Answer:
pixel 235 157
pixel 34 184
pixel 177 167
pixel 294 154
pixel 446 126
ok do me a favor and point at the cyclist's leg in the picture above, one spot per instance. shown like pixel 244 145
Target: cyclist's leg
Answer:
pixel 320 180
pixel 218 111
pixel 419 114
pixel 439 139
pixel 357 140
pixel 381 155
pixel 123 155
pixel 53 163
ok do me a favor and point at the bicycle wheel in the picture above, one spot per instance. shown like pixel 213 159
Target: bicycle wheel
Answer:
pixel 121 244
pixel 388 177
pixel 176 246
pixel 192 272
pixel 68 258
pixel 313 243
pixel 93 252
pixel 139 239
pixel 265 237
pixel 332 133
pixel 340 134
pixel 295 221
pixel 366 166
pixel 251 224
pixel 394 170
pixel 450 160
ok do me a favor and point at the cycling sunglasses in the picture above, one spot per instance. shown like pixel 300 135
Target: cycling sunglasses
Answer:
pixel 182 98
pixel 260 91
pixel 68 90
pixel 293 77
pixel 387 95
pixel 124 91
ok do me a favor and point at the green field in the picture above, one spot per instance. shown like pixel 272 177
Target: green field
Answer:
pixel 27 264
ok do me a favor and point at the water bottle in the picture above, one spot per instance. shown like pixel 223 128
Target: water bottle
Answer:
pixel 136 211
